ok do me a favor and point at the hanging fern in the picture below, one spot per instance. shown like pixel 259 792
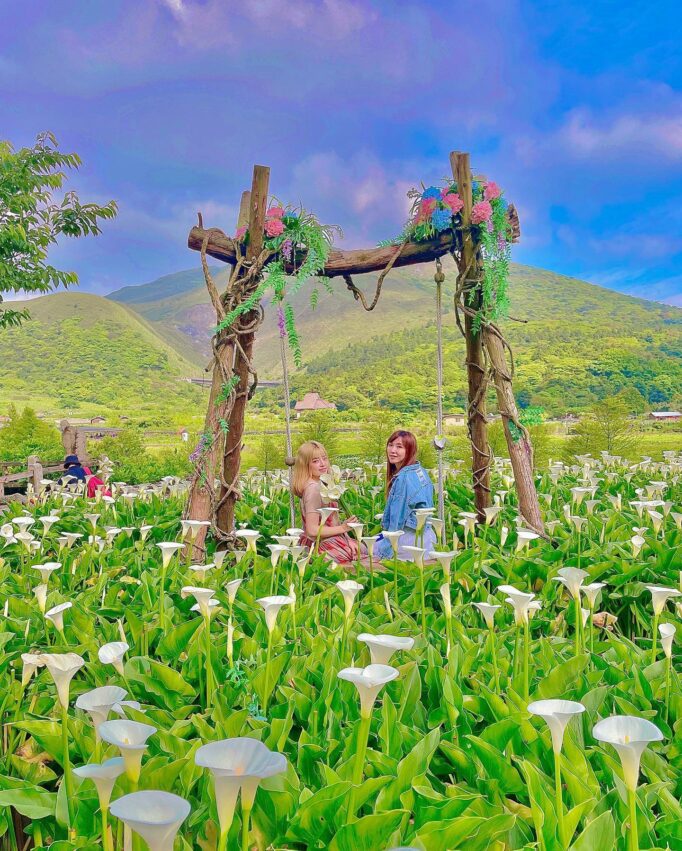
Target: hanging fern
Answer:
pixel 300 247
pixel 292 334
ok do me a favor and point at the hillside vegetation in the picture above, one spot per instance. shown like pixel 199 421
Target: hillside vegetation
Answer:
pixel 576 343
pixel 83 354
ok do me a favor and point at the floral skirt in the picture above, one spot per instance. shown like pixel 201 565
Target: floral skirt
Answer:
pixel 340 548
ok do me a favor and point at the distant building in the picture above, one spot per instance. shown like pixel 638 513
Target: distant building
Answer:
pixel 454 419
pixel 98 420
pixel 313 402
pixel 665 416
pixel 184 435
pixel 4 420
pixel 124 419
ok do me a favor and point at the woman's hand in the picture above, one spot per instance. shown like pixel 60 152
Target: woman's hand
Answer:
pixel 345 524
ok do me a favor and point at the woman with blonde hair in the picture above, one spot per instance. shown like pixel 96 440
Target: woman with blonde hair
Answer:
pixel 312 463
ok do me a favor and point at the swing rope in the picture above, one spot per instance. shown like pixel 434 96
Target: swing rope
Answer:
pixel 289 460
pixel 439 442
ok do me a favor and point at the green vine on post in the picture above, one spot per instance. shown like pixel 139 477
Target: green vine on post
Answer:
pixel 437 210
pixel 299 247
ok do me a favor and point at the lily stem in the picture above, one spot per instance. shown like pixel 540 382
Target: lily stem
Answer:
pixel 559 799
pixel 67 764
pixel 209 661
pixel 266 697
pixel 246 814
pixel 654 638
pixel 493 653
pixel 526 657
pixel 423 600
pixel 578 622
pixel 359 765
pixel 632 801
pixel 106 839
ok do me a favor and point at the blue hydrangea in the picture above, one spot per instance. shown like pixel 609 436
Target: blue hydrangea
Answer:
pixel 431 192
pixel 441 219
pixel 475 186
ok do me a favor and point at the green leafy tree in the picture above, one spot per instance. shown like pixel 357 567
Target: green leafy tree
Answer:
pixel 269 454
pixel 320 426
pixel 27 435
pixel 32 219
pixel 376 430
pixel 606 426
pixel 133 462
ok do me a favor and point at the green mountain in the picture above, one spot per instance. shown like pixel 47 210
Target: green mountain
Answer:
pixel 82 355
pixel 126 354
pixel 573 342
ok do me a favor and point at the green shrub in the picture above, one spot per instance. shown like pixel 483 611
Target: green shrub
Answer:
pixel 27 435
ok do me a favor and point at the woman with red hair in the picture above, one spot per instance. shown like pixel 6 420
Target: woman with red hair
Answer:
pixel 408 487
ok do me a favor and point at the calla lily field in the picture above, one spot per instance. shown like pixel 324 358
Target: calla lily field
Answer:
pixel 509 690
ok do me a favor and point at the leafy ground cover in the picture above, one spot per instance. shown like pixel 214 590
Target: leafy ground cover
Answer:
pixel 446 756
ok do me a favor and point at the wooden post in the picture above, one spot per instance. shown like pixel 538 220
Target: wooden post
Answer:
pixel 233 439
pixel 35 472
pixel 199 500
pixel 520 450
pixel 475 361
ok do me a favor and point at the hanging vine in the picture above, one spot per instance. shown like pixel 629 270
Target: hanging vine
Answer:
pixel 298 247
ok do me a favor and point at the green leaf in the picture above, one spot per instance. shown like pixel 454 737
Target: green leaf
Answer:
pixel 477 832
pixel 370 832
pixel 31 801
pixel 175 642
pixel 415 764
pixel 496 767
pixel 599 834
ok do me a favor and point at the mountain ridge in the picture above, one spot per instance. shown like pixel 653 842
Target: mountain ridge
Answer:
pixel 130 351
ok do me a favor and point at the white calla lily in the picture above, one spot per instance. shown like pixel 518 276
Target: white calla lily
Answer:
pixel 382 647
pixel 155 816
pixel 369 681
pixel 112 654
pixel 130 737
pixel 630 736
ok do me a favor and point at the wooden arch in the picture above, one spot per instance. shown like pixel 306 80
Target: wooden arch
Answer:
pixel 486 357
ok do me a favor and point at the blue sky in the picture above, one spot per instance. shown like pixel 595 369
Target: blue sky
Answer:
pixel 574 108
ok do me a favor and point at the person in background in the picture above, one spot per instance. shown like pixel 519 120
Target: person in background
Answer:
pixel 311 463
pixel 74 471
pixel 408 486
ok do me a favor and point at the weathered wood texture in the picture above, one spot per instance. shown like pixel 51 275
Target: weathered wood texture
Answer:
pixel 475 360
pixel 243 357
pixel 201 495
pixel 520 450
pixel 339 262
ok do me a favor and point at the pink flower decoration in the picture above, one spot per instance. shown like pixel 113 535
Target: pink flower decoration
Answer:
pixel 454 202
pixel 274 227
pixel 481 212
pixel 275 212
pixel 240 232
pixel 426 207
pixel 491 191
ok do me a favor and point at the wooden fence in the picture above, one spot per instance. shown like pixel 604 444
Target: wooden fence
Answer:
pixel 34 473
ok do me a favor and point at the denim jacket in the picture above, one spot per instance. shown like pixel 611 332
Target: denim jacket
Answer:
pixel 412 488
